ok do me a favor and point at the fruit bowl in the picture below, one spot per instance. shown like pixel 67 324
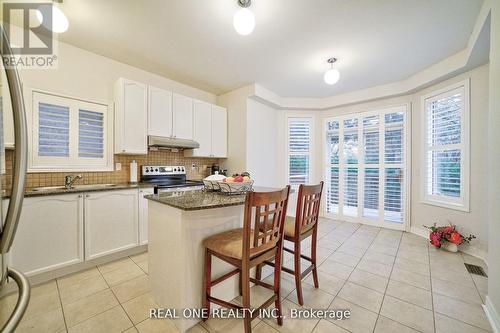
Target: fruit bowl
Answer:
pixel 236 187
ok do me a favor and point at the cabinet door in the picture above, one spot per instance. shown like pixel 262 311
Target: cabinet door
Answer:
pixel 111 222
pixel 160 112
pixel 143 215
pixel 219 131
pixel 131 118
pixel 183 116
pixel 7 116
pixel 49 235
pixel 203 128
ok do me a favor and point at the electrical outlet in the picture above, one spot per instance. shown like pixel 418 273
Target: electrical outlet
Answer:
pixel 193 166
pixel 118 166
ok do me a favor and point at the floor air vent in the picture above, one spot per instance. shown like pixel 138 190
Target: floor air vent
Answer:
pixel 474 269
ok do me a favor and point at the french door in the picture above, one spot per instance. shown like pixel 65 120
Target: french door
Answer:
pixel 366 167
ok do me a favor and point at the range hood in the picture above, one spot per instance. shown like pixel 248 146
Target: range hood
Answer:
pixel 167 142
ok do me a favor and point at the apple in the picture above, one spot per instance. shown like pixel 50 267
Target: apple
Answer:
pixel 246 179
pixel 238 179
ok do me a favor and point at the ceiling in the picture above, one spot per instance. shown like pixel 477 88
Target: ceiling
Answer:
pixel 193 41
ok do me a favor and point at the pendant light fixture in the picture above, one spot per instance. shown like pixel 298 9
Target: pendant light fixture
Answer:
pixel 243 19
pixel 59 22
pixel 332 75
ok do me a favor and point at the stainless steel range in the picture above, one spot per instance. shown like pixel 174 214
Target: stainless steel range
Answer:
pixel 168 178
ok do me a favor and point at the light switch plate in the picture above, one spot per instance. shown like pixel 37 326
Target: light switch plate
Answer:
pixel 118 166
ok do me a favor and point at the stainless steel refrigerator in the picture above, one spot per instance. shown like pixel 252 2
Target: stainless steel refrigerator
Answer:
pixel 13 193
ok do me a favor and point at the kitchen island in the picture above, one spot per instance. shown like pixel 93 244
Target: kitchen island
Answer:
pixel 178 223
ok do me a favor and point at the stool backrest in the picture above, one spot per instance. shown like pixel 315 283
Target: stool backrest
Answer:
pixel 264 218
pixel 308 202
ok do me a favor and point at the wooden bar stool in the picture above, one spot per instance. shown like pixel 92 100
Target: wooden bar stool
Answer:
pixel 260 239
pixel 298 228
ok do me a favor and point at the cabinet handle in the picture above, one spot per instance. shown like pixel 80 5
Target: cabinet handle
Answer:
pixel 86 195
pixel 80 196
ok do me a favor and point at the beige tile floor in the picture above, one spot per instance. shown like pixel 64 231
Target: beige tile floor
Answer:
pixel 391 281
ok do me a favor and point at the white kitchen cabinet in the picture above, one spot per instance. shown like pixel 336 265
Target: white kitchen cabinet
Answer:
pixel 131 112
pixel 203 128
pixel 182 108
pixel 111 222
pixel 143 215
pixel 210 130
pixel 219 131
pixel 8 117
pixel 50 234
pixel 159 112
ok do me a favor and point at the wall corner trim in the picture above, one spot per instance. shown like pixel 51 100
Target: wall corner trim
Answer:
pixel 492 315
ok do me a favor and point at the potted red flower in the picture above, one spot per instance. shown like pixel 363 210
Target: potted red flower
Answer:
pixel 447 237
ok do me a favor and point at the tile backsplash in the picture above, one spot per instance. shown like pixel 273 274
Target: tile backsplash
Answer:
pixel 160 157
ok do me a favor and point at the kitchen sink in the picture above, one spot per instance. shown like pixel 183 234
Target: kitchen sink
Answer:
pixel 75 187
pixel 47 188
pixel 83 187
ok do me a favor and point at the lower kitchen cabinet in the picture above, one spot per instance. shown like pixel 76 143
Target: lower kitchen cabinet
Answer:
pixel 49 235
pixel 143 215
pixel 111 222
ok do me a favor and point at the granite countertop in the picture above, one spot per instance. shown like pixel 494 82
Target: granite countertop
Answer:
pixel 200 199
pixel 57 190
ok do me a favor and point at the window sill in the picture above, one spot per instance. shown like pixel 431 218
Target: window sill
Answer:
pixel 445 204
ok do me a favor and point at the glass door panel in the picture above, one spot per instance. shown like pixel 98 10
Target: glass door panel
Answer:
pixel 393 195
pixel 350 207
pixel 371 193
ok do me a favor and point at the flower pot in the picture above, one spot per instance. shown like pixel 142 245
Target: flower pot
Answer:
pixel 450 247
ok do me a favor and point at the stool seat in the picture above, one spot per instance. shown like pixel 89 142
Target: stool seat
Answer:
pixel 289 230
pixel 229 243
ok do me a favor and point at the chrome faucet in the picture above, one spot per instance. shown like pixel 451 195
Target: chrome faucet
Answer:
pixel 69 180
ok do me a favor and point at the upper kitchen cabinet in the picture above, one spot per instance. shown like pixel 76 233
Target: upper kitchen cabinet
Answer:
pixel 160 118
pixel 131 114
pixel 210 130
pixel 182 107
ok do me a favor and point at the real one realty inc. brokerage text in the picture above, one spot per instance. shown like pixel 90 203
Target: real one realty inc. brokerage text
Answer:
pixel 223 313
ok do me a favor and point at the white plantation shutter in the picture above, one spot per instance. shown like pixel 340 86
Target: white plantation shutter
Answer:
pixel 53 130
pixel 299 148
pixel 446 150
pixel 90 134
pixel 365 167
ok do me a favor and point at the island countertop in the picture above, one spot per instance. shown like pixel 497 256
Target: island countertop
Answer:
pixel 200 199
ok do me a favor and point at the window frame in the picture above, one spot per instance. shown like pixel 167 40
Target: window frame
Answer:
pixel 77 164
pixel 310 153
pixel 463 202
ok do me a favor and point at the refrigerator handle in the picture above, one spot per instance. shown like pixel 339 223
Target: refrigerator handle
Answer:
pixel 21 152
pixel 22 302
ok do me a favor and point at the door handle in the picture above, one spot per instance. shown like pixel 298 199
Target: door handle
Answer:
pixel 21 153
pixel 22 302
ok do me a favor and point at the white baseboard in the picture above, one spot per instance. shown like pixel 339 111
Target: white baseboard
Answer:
pixel 492 315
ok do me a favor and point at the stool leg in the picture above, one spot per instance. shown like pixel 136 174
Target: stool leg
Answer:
pixel 258 272
pixel 207 282
pixel 277 287
pixel 240 284
pixel 245 281
pixel 297 271
pixel 313 257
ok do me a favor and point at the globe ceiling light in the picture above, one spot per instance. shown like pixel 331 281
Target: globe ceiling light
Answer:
pixel 243 19
pixel 59 20
pixel 332 75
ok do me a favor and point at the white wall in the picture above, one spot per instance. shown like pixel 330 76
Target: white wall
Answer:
pixel 493 299
pixel 474 222
pixel 89 76
pixel 236 104
pixel 265 134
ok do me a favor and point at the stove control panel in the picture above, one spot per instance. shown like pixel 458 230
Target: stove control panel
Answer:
pixel 157 170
